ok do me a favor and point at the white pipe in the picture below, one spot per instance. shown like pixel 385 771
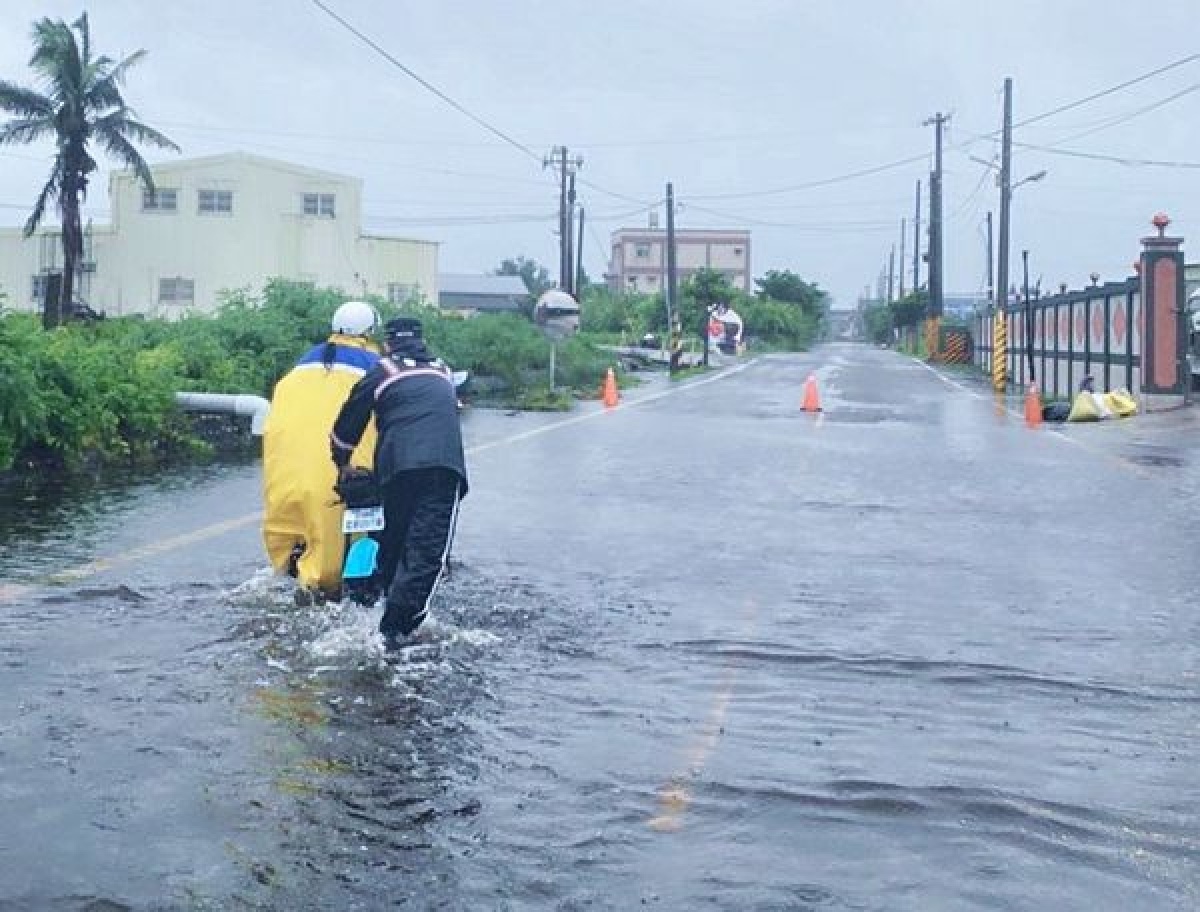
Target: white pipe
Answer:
pixel 256 407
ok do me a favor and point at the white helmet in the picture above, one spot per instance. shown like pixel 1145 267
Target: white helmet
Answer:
pixel 355 318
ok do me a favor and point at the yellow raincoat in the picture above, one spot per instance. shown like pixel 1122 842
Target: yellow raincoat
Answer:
pixel 298 475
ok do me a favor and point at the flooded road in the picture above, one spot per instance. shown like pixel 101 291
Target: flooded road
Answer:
pixel 701 652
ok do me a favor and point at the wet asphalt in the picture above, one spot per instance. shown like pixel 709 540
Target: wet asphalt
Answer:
pixel 704 651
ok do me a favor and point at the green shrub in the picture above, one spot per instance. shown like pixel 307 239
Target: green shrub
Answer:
pixel 104 392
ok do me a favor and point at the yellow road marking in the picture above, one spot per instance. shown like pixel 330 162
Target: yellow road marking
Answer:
pixel 675 796
pixel 11 592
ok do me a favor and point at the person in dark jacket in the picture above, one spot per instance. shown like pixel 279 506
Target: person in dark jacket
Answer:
pixel 419 466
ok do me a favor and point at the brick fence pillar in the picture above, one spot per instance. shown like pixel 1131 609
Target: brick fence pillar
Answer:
pixel 1163 341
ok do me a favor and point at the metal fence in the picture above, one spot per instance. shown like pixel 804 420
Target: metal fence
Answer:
pixel 1096 331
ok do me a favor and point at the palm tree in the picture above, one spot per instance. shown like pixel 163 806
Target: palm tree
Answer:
pixel 81 104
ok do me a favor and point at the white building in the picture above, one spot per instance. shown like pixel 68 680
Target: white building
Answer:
pixel 219 223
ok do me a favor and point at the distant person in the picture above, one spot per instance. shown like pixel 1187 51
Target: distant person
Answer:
pixel 419 465
pixel 302 522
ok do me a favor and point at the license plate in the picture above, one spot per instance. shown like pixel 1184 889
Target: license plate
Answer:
pixel 362 519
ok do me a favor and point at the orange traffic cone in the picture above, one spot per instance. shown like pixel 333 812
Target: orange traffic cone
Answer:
pixel 812 398
pixel 609 391
pixel 1033 407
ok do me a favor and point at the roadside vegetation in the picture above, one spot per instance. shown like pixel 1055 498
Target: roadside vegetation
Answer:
pixel 91 394
pixel 97 393
pixel 785 314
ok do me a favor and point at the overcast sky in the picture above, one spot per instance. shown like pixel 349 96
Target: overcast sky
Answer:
pixel 745 98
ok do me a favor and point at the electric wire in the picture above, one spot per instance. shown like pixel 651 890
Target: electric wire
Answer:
pixel 462 109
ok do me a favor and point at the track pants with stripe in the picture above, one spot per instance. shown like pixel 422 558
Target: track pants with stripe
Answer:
pixel 420 509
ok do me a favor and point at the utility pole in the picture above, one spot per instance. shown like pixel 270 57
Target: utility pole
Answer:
pixel 892 274
pixel 566 168
pixel 903 249
pixel 571 289
pixel 935 217
pixel 917 242
pixel 991 262
pixel 936 272
pixel 672 284
pixel 1000 329
pixel 1027 309
pixel 579 259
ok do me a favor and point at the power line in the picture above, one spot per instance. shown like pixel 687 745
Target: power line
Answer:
pixel 1125 118
pixel 496 131
pixel 809 185
pixel 1104 92
pixel 1116 159
pixel 620 196
pixel 867 172
pixel 604 252
pixel 688 205
pixel 342 137
pixel 961 209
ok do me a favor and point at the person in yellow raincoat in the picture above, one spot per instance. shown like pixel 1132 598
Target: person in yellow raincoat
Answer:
pixel 302 519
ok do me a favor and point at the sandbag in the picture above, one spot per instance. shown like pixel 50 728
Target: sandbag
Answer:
pixel 1084 408
pixel 1121 403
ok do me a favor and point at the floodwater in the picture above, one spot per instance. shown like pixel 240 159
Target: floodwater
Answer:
pixel 701 652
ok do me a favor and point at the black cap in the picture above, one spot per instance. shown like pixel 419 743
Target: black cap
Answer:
pixel 403 328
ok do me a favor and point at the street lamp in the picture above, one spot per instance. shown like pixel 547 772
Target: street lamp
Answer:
pixel 1036 176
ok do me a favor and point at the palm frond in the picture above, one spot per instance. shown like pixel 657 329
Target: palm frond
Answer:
pixel 49 192
pixel 117 73
pixel 53 47
pixel 119 147
pixel 85 35
pixel 24 102
pixel 122 124
pixel 102 95
pixel 104 91
pixel 25 130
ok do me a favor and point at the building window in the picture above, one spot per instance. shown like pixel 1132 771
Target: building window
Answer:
pixel 651 279
pixel 641 250
pixel 210 202
pixel 319 204
pixel 401 292
pixel 176 292
pixel 737 251
pixel 37 290
pixel 160 199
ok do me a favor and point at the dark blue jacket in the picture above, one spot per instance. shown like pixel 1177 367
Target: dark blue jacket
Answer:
pixel 416 414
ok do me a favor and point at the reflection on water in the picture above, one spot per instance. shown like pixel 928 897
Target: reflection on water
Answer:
pixel 924 711
pixel 46 519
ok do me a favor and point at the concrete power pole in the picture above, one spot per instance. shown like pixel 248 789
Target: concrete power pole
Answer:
pixel 672 284
pixel 892 275
pixel 570 245
pixel 936 271
pixel 999 326
pixel 991 264
pixel 578 286
pixel 566 168
pixel 917 242
pixel 903 250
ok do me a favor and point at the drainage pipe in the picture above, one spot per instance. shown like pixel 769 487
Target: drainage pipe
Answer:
pixel 254 407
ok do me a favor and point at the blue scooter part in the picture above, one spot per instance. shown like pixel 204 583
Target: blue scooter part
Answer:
pixel 361 559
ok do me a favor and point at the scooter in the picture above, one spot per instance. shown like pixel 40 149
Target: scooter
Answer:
pixel 362 520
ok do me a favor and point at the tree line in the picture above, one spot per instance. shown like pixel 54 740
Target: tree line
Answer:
pixel 785 312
